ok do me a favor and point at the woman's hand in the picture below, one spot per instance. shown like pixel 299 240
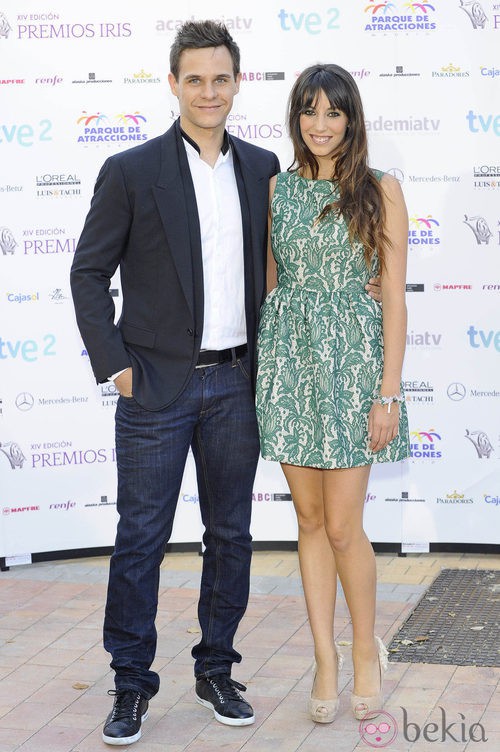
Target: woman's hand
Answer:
pixel 383 426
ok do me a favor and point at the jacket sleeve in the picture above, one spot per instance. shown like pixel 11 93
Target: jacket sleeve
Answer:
pixel 98 254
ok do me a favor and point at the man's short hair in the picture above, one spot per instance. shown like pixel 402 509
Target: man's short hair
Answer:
pixel 194 35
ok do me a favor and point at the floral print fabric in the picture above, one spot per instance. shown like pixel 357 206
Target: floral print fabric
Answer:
pixel 320 350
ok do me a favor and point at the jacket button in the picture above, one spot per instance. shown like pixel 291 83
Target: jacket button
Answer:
pixel 190 332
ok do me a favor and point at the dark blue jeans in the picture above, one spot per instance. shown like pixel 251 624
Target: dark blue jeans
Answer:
pixel 215 415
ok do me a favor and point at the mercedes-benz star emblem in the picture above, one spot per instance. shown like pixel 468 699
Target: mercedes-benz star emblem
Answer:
pixel 25 401
pixel 456 391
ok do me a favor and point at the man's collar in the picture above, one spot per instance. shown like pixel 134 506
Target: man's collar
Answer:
pixel 225 142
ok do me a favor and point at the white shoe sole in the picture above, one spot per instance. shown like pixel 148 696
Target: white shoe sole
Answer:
pixel 224 719
pixel 122 741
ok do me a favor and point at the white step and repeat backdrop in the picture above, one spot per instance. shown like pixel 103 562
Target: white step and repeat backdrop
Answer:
pixel 81 81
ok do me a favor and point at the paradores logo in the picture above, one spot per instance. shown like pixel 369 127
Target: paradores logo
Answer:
pixel 98 128
pixel 399 17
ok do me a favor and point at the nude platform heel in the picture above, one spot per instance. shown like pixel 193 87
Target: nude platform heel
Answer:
pixel 370 707
pixel 324 711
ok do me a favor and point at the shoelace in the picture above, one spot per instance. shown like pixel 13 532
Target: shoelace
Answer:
pixel 227 688
pixel 126 703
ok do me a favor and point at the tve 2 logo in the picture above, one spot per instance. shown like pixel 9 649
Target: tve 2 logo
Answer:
pixel 483 123
pixel 25 134
pixel 479 338
pixel 27 349
pixel 312 23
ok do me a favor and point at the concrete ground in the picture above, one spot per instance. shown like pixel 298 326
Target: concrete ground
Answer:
pixel 54 672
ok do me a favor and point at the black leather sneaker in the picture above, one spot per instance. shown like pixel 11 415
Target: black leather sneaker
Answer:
pixel 123 724
pixel 220 693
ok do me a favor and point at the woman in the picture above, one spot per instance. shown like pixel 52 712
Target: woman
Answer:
pixel 329 397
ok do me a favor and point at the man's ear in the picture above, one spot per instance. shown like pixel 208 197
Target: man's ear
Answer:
pixel 173 84
pixel 238 81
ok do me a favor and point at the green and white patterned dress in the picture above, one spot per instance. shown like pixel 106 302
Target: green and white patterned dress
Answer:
pixel 320 339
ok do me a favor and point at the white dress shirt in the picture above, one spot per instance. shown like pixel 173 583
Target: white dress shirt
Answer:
pixel 221 231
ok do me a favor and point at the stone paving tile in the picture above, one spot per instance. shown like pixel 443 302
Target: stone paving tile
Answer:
pixel 63 601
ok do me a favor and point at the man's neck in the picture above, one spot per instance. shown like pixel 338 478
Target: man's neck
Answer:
pixel 208 141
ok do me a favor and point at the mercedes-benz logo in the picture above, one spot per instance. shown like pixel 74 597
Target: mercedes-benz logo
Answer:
pixel 397 173
pixel 25 401
pixel 456 391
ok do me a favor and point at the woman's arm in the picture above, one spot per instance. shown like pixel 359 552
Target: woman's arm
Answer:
pixel 383 422
pixel 271 274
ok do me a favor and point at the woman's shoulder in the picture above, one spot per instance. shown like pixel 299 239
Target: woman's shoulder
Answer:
pixel 377 174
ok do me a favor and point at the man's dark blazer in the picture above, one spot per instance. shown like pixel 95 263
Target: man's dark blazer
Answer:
pixel 143 218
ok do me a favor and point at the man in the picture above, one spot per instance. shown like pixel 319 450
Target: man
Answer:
pixel 174 215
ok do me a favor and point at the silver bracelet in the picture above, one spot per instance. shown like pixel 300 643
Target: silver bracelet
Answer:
pixel 380 400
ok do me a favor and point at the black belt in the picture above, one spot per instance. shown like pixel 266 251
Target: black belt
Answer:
pixel 214 357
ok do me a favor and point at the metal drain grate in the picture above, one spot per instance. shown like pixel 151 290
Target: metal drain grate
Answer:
pixel 456 622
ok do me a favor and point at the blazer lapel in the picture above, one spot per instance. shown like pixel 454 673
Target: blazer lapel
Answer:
pixel 176 201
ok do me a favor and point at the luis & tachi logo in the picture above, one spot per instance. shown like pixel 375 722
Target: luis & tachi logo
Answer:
pixel 109 394
pixel 481 442
pixel 486 176
pixel 123 128
pixel 424 445
pixel 407 18
pixel 419 392
pixel 8 243
pixel 454 498
pixel 423 231
pixel 57 186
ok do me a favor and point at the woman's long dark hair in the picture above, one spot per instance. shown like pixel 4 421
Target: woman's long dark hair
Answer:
pixel 360 199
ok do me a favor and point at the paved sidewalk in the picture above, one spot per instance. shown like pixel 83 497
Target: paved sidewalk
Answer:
pixel 54 672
